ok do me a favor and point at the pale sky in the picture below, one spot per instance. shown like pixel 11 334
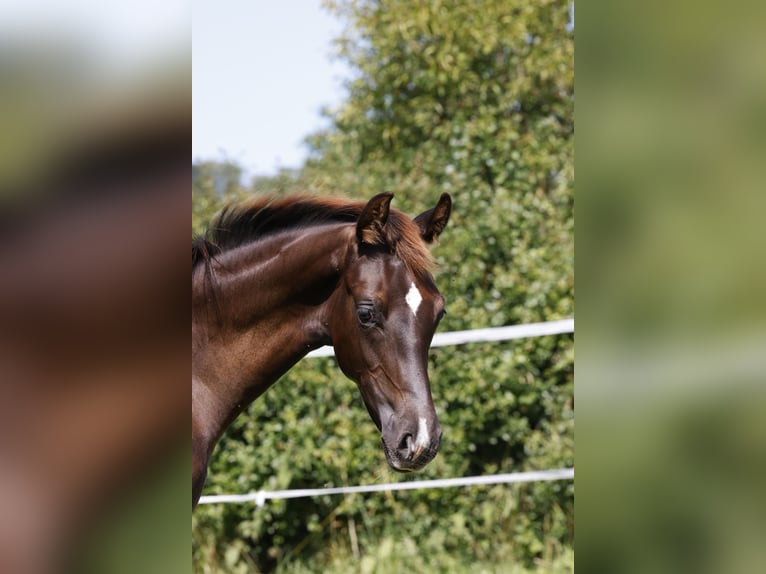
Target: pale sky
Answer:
pixel 262 71
pixel 118 37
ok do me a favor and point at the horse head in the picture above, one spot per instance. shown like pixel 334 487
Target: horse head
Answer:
pixel 385 311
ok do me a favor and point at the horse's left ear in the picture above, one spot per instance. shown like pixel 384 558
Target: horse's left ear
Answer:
pixel 372 220
pixel 433 221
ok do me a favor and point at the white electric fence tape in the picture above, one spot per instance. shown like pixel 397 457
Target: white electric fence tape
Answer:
pixel 262 496
pixel 486 335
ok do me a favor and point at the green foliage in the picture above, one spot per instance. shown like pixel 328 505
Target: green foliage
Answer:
pixel 212 185
pixel 473 98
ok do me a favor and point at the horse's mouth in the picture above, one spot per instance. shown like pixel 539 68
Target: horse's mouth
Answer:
pixel 402 464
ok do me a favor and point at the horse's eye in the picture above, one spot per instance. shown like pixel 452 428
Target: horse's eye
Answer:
pixel 366 316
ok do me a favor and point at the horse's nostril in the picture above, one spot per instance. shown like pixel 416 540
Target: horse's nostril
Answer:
pixel 406 446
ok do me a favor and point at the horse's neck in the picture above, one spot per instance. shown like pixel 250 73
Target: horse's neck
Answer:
pixel 272 308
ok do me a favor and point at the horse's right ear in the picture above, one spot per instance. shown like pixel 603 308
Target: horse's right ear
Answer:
pixel 433 221
pixel 372 220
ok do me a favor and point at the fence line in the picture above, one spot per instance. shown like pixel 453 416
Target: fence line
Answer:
pixel 261 496
pixel 486 335
pixel 440 340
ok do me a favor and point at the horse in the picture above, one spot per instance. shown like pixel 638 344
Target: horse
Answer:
pixel 274 278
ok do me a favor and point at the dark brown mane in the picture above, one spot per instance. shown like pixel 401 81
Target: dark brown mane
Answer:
pixel 254 219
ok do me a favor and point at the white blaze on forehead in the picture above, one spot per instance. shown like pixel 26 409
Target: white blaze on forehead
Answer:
pixel 413 299
pixel 423 439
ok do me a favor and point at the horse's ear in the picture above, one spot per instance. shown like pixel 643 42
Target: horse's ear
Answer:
pixel 372 220
pixel 433 221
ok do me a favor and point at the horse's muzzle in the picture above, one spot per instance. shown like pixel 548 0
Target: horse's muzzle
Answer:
pixel 413 452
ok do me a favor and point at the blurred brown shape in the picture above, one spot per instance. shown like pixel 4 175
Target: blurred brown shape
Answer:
pixel 93 348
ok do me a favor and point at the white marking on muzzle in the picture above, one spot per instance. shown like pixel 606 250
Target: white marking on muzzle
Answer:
pixel 413 299
pixel 423 439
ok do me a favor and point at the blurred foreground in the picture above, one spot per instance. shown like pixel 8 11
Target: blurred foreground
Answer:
pixel 671 322
pixel 94 214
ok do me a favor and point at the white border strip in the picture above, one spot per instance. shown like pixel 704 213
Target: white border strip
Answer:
pixel 485 335
pixel 262 496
